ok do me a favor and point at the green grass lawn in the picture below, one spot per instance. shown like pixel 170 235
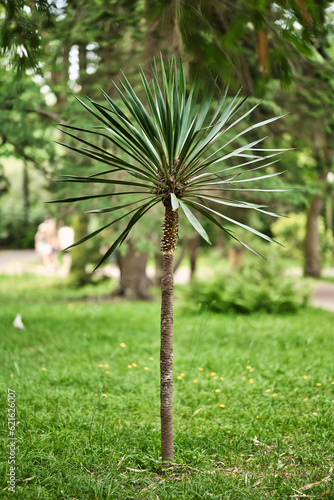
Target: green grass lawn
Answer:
pixel 253 399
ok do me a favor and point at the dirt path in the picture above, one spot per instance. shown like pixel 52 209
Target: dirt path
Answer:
pixel 18 261
pixel 323 296
pixel 26 261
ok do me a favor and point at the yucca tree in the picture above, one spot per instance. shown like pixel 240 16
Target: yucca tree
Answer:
pixel 169 155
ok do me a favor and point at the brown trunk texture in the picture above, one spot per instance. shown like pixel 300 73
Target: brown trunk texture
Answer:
pixel 312 262
pixel 162 36
pixel 134 283
pixel 166 346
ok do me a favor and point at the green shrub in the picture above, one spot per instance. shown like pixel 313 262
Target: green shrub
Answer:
pixel 15 230
pixel 250 290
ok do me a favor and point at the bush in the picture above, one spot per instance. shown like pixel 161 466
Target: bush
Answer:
pixel 251 290
pixel 15 230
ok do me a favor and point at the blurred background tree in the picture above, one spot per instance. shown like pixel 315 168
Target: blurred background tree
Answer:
pixel 51 49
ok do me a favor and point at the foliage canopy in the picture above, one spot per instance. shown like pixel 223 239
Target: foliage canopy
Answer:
pixel 171 152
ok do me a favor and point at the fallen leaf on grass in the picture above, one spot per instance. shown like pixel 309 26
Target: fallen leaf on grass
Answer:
pixel 258 482
pixel 197 411
pixel 121 460
pixel 301 495
pixel 148 488
pixel 258 443
pixel 309 486
pixel 136 470
pixel 83 467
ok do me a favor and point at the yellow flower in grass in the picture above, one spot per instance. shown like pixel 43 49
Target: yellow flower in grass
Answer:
pixel 217 390
pixel 201 369
pixel 104 395
pixel 221 378
pixel 106 366
pixel 268 390
pixel 332 383
pixel 179 377
pixel 151 358
pixel 213 374
pixel 122 344
pixel 222 406
pixel 100 366
pixel 251 380
pixel 107 372
pixel 146 368
pixel 129 366
pixel 96 395
pixel 248 367
pixel 214 378
pixel 182 374
pixel 195 380
pixel 319 384
pixel 305 377
pixel 134 365
pixel 274 395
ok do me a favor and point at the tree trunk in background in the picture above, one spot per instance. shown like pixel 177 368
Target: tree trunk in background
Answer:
pixel 59 76
pixel 329 208
pixel 194 245
pixel 180 258
pixel 158 257
pixel 312 257
pixel 191 245
pixel 26 201
pixel 168 243
pixel 134 282
pixel 162 34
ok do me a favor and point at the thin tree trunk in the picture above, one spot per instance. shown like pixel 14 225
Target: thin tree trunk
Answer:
pixel 158 257
pixel 329 209
pixel 312 262
pixel 180 258
pixel 168 244
pixel 166 358
pixel 194 244
pixel 26 200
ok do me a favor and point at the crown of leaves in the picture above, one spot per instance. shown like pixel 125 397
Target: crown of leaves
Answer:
pixel 170 153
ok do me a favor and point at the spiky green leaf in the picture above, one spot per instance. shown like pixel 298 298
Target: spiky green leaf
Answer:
pixel 194 222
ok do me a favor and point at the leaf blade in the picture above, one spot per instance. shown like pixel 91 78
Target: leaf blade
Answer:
pixel 194 222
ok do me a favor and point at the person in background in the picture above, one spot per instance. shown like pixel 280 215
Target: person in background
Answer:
pixel 47 244
pixel 65 239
